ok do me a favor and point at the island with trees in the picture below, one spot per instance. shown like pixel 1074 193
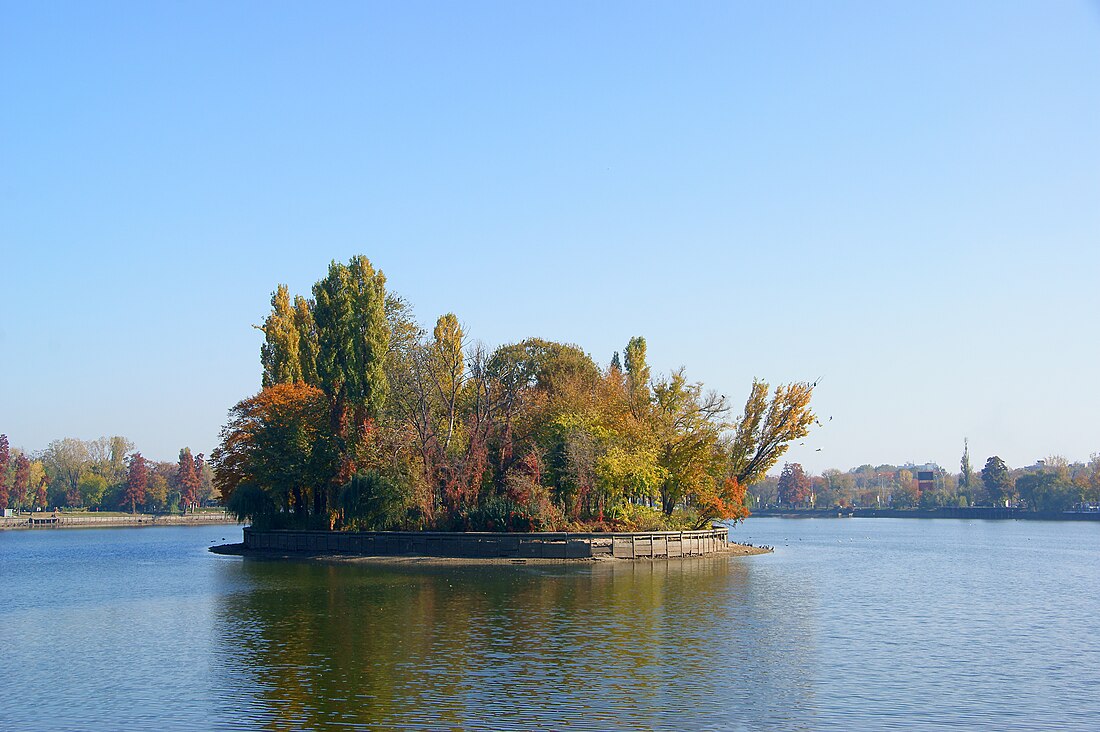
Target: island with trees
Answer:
pixel 367 421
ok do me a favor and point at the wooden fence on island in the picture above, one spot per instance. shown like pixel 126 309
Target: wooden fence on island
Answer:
pixel 487 545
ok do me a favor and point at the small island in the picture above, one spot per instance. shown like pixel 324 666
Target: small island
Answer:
pixel 367 422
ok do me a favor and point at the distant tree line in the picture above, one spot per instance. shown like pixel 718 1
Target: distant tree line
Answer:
pixel 368 420
pixel 1051 484
pixel 106 474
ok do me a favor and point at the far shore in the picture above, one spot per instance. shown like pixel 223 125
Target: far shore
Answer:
pixel 986 513
pixel 44 520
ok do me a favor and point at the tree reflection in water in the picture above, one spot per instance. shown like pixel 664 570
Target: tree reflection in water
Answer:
pixel 596 646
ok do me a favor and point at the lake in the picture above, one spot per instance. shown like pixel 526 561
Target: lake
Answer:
pixel 863 624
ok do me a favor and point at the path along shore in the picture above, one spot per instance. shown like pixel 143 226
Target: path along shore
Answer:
pixel 43 520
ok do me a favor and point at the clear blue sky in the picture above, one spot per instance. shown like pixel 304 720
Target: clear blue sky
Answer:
pixel 901 198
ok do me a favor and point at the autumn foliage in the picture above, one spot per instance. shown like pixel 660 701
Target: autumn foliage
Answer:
pixel 366 419
pixel 136 482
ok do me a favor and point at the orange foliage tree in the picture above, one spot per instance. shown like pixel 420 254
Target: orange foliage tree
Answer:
pixel 279 442
pixel 723 501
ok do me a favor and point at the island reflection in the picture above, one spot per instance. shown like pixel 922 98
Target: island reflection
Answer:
pixel 595 646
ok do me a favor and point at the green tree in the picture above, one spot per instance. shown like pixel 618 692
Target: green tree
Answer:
pixel 964 467
pixel 92 486
pixel 1047 491
pixel 637 373
pixel 353 335
pixel 998 481
pixel 688 424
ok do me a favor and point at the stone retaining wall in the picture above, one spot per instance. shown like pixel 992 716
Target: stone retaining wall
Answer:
pixel 542 545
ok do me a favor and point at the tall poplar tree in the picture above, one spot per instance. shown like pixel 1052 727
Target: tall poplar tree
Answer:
pixel 352 334
pixel 964 467
pixel 637 370
pixel 349 313
pixel 307 339
pixel 279 353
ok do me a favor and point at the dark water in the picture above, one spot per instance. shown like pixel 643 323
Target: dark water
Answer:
pixel 853 624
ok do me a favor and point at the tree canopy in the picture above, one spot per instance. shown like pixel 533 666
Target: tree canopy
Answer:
pixel 365 418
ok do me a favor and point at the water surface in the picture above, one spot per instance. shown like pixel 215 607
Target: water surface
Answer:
pixel 851 624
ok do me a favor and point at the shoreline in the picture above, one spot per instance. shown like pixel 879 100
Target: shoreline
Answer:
pixel 83 521
pixel 240 550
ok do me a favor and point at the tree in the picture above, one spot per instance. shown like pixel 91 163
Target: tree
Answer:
pixel 107 457
pixel 187 480
pixel 278 442
pixel 794 485
pixel 67 459
pixel 156 492
pixel 998 481
pixel 203 483
pixel 688 425
pixel 372 502
pixel 637 371
pixel 906 493
pixel 280 352
pixel 92 487
pixel 40 499
pixel 725 503
pixel 964 467
pixel 1047 491
pixel 765 429
pixel 21 482
pixel 136 482
pixel 5 458
pixel 307 339
pixel 353 335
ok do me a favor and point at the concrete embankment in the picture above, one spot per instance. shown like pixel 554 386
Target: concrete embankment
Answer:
pixel 393 546
pixel 70 521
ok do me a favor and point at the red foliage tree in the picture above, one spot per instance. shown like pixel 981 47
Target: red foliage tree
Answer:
pixel 40 495
pixel 136 482
pixel 186 480
pixel 794 485
pixel 22 477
